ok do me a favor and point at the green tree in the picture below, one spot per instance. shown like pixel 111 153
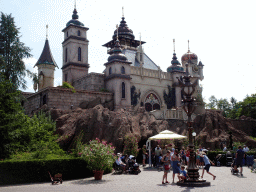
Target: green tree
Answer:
pixel 212 102
pixel 12 52
pixel 9 108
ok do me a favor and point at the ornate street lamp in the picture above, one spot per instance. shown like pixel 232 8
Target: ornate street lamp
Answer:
pixel 187 90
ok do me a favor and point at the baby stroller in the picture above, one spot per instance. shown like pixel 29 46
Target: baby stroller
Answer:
pixel 133 166
pixel 229 159
pixel 233 171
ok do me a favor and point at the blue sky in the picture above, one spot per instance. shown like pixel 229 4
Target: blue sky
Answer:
pixel 221 33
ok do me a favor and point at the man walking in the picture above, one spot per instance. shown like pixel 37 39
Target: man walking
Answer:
pixel 239 159
pixel 207 163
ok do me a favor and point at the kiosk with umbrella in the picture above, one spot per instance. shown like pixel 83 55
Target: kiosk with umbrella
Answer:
pixel 166 134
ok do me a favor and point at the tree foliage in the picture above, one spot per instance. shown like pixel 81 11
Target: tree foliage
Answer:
pixel 235 109
pixel 12 53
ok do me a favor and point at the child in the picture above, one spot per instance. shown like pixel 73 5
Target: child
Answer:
pixel 207 163
pixel 183 175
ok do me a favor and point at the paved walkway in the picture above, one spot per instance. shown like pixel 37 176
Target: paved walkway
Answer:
pixel 148 180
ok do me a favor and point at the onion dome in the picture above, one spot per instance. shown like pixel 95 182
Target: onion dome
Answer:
pixel 187 56
pixel 46 56
pixel 117 53
pixel 123 31
pixel 175 67
pixel 74 20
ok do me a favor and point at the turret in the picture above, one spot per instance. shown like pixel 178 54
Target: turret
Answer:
pixel 118 78
pixel 46 67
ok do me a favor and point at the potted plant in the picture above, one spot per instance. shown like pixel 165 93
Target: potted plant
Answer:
pixel 99 157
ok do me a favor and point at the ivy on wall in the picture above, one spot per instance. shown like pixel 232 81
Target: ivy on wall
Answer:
pixel 134 96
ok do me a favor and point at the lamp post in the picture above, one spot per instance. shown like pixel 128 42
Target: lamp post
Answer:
pixel 187 90
pixel 194 135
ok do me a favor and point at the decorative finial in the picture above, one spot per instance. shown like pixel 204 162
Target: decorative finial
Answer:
pixel 116 31
pixel 122 11
pixel 173 45
pixel 47 31
pixel 188 46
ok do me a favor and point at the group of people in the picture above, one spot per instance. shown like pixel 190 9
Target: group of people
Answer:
pixel 174 159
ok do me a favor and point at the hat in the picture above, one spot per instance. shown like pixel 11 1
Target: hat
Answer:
pixel 118 154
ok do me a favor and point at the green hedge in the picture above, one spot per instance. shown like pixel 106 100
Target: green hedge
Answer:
pixel 213 154
pixel 15 172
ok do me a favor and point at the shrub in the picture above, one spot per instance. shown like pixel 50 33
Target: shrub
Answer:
pixel 67 85
pixel 104 90
pixel 131 145
pixel 99 155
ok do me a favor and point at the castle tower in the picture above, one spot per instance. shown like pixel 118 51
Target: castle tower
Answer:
pixel 176 70
pixel 118 78
pixel 75 50
pixel 46 67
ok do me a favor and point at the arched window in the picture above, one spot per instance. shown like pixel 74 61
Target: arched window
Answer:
pixel 78 33
pixel 123 90
pixel 123 70
pixel 79 54
pixel 67 33
pixel 110 71
pixel 66 55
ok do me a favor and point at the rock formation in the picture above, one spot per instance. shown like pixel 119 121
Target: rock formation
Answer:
pixel 211 128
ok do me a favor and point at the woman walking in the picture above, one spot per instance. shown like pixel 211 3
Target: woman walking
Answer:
pixel 175 161
pixel 166 160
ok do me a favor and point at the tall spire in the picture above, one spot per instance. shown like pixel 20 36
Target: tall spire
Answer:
pixel 47 31
pixel 173 45
pixel 188 47
pixel 140 38
pixel 117 32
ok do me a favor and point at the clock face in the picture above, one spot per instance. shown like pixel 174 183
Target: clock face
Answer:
pixel 195 68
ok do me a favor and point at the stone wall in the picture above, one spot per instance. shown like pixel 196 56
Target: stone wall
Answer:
pixel 90 82
pixel 61 98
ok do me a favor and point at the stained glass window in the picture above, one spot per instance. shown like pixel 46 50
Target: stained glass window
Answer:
pixel 152 102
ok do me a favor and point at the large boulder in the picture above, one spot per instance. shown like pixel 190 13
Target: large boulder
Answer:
pixel 102 123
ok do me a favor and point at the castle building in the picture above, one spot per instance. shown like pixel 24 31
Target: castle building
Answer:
pixel 131 78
